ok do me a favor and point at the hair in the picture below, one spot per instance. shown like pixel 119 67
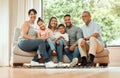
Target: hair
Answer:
pixel 49 26
pixel 39 19
pixel 61 25
pixel 67 15
pixel 87 12
pixel 32 10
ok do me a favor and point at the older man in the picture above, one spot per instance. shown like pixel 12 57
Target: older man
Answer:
pixel 92 41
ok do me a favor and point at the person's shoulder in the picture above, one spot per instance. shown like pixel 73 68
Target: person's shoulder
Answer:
pixel 94 23
pixel 75 27
pixel 26 22
pixel 66 33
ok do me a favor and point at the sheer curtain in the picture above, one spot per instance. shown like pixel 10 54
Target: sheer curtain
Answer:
pixel 4 32
pixel 13 13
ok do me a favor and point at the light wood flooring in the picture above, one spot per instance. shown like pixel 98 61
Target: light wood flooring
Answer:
pixel 110 72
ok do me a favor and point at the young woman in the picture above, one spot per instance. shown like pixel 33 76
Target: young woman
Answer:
pixel 29 42
pixel 53 27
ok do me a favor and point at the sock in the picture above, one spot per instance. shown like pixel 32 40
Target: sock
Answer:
pixel 84 61
pixel 91 57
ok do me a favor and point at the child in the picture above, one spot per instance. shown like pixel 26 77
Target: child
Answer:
pixel 43 33
pixel 61 34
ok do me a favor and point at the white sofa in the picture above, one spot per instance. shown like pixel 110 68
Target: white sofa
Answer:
pixel 19 57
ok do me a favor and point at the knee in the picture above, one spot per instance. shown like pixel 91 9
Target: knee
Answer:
pixel 60 42
pixel 80 40
pixel 39 41
pixel 92 38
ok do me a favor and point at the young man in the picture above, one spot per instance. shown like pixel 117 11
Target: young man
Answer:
pixel 92 41
pixel 74 33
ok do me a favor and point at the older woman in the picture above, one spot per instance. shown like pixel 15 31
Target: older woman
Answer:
pixel 29 42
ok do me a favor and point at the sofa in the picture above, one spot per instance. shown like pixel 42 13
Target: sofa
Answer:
pixel 19 57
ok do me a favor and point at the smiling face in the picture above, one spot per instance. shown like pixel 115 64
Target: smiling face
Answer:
pixel 86 18
pixel 53 22
pixel 61 29
pixel 32 16
pixel 41 25
pixel 67 21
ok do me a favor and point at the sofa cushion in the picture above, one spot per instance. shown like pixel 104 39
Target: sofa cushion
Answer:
pixel 103 53
pixel 17 32
pixel 18 51
pixel 102 60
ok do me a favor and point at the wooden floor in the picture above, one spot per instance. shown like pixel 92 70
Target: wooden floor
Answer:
pixel 110 72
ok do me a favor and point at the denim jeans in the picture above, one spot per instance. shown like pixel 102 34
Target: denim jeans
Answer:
pixel 63 42
pixel 60 49
pixel 72 55
pixel 51 43
pixel 35 45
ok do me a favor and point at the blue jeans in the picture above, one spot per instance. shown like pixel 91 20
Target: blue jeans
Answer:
pixel 51 43
pixel 60 49
pixel 63 42
pixel 35 45
pixel 72 55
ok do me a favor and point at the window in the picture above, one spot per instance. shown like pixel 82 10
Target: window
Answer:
pixel 106 13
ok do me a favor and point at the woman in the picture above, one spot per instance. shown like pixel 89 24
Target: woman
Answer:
pixel 29 42
pixel 53 27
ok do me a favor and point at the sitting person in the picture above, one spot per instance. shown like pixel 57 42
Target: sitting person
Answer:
pixel 62 35
pixel 92 41
pixel 44 34
pixel 59 47
pixel 29 41
pixel 74 33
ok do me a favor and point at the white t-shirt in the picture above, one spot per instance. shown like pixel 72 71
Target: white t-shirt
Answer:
pixel 65 35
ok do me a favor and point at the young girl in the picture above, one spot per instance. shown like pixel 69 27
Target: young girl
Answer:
pixel 44 33
pixel 62 35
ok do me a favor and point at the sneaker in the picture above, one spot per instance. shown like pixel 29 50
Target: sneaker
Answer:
pixel 74 62
pixel 60 64
pixel 34 63
pixel 50 64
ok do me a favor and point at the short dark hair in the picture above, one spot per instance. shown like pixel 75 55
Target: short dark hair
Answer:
pixel 39 19
pixel 61 25
pixel 67 15
pixel 87 12
pixel 32 10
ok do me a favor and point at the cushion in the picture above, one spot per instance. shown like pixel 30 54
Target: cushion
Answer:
pixel 18 51
pixel 104 53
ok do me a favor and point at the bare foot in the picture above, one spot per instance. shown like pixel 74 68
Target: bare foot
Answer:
pixel 54 52
pixel 39 56
pixel 66 47
pixel 57 42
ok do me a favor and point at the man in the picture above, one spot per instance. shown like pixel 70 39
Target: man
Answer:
pixel 74 33
pixel 92 42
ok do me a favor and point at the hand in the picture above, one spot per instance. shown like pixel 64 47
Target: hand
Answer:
pixel 61 37
pixel 66 47
pixel 44 39
pixel 83 43
pixel 72 48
